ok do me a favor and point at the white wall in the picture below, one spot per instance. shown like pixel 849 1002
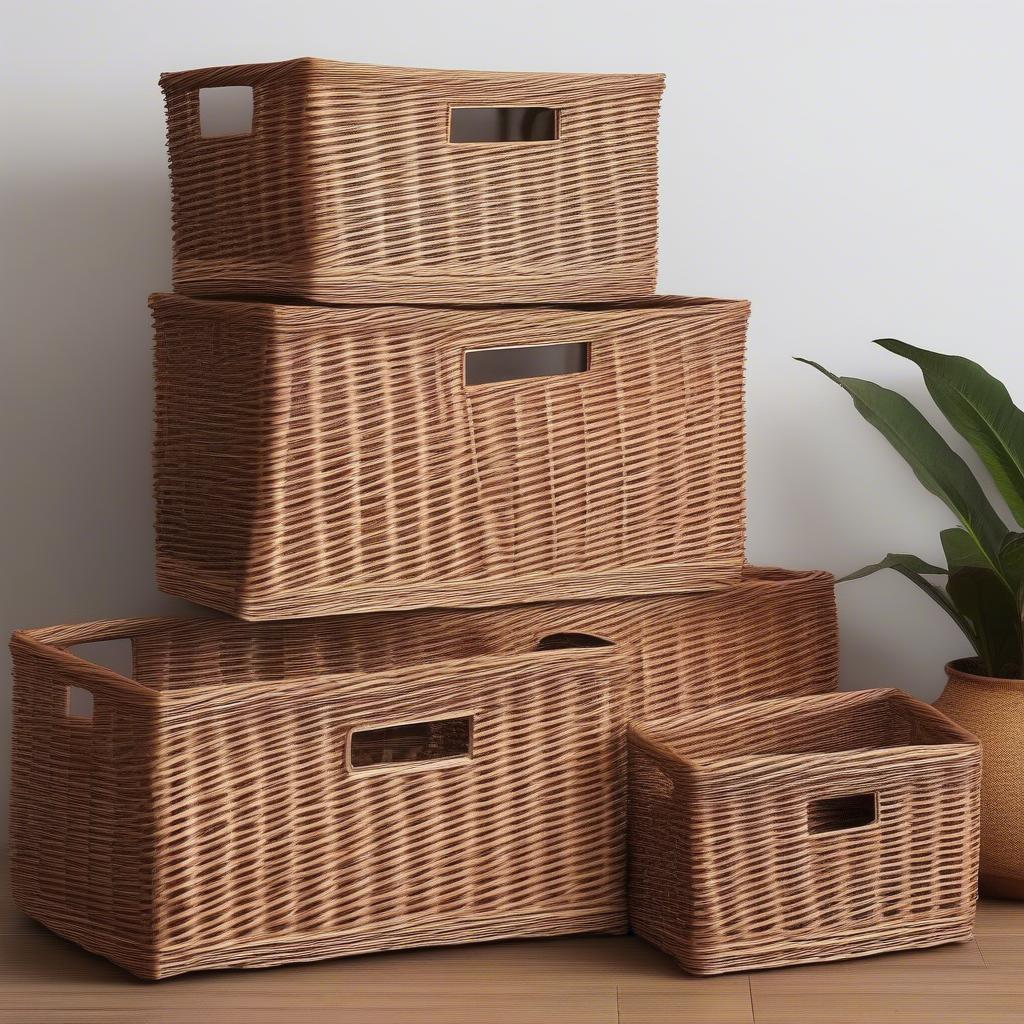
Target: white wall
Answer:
pixel 853 168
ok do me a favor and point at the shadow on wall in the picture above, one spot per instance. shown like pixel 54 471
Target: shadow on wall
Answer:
pixel 86 246
pixel 83 247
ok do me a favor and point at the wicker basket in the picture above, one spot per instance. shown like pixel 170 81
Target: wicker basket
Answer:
pixel 348 188
pixel 215 813
pixel 316 460
pixel 789 831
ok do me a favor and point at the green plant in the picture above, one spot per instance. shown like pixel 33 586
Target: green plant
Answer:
pixel 984 587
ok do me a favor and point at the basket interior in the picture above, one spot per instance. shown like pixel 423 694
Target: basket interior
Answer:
pixel 184 654
pixel 831 724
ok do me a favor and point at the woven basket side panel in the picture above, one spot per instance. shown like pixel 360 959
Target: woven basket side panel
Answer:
pixel 588 199
pixel 350 180
pixel 913 869
pixel 81 819
pixel 660 859
pixel 378 467
pixel 779 873
pixel 637 461
pixel 765 637
pixel 208 449
pixel 220 200
pixel 762 638
pixel 264 831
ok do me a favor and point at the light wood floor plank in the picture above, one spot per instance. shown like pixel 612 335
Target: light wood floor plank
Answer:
pixel 686 1000
pixel 405 1007
pixel 1003 952
pixel 1000 932
pixel 1000 917
pixel 923 996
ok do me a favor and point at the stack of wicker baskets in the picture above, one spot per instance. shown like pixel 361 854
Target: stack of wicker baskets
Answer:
pixel 476 496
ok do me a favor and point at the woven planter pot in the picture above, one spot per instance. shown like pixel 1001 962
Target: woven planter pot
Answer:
pixel 993 710
pixel 263 793
pixel 352 186
pixel 789 831
pixel 317 460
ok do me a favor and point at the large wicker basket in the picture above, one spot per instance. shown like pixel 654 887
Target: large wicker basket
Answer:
pixel 216 811
pixel 318 460
pixel 349 189
pixel 816 828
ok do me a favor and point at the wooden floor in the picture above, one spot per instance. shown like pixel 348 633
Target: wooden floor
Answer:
pixel 44 980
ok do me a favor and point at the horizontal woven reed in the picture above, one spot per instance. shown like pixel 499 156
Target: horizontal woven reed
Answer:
pixel 736 863
pixel 316 460
pixel 348 190
pixel 204 818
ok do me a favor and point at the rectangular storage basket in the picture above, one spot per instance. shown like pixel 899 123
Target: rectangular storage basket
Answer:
pixel 318 460
pixel 795 830
pixel 241 825
pixel 348 187
pixel 213 814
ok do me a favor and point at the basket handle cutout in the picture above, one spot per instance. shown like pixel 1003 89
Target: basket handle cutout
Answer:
pixel 567 641
pixel 115 654
pixel 225 111
pixel 842 813
pixel 78 703
pixel 502 124
pixel 523 362
pixel 407 743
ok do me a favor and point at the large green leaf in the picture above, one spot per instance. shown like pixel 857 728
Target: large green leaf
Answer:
pixel 982 598
pixel 1011 561
pixel 915 569
pixel 911 563
pixel 935 464
pixel 980 409
pixel 961 550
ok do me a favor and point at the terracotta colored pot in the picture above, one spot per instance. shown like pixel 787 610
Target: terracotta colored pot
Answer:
pixel 993 709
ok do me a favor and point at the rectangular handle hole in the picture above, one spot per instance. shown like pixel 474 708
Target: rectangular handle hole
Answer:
pixel 521 362
pixel 113 654
pixel 503 124
pixel 225 111
pixel 411 742
pixel 79 703
pixel 839 813
pixel 570 641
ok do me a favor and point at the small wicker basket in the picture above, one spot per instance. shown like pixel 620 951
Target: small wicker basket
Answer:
pixel 352 187
pixel 318 460
pixel 796 830
pixel 217 811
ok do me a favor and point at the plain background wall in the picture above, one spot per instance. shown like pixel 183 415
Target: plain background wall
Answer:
pixel 854 168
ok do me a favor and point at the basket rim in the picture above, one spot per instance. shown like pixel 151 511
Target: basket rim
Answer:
pixel 57 643
pixel 665 737
pixel 961 669
pixel 124 628
pixel 190 78
pixel 666 303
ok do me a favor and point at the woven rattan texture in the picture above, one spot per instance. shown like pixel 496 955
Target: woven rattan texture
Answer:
pixel 317 460
pixel 993 709
pixel 728 870
pixel 205 817
pixel 348 190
